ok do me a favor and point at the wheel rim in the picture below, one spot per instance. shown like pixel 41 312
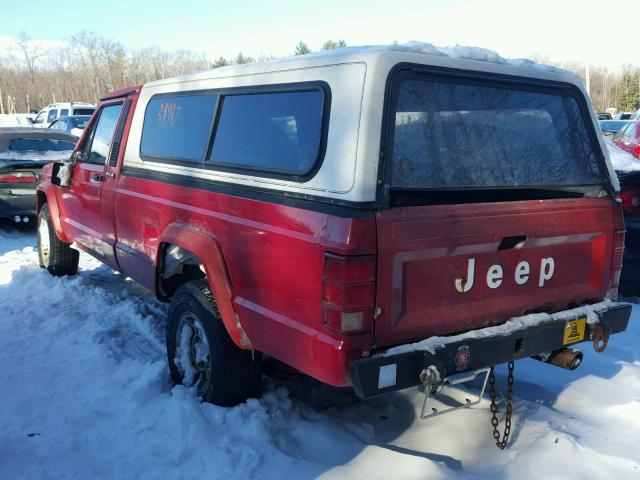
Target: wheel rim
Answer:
pixel 44 241
pixel 192 352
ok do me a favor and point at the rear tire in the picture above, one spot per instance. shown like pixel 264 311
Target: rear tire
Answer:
pixel 53 254
pixel 201 353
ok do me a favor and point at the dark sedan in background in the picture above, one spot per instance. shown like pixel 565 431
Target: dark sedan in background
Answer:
pixel 23 153
pixel 630 197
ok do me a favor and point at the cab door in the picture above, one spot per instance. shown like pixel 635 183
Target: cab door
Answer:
pixel 84 211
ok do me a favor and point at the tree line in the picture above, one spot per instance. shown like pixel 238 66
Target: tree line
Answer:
pixel 619 89
pixel 88 66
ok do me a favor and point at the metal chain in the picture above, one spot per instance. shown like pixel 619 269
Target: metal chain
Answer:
pixel 494 408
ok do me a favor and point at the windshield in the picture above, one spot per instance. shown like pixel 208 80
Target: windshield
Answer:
pixel 461 134
pixel 81 122
pixel 45 149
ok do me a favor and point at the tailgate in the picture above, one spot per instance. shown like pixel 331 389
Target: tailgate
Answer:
pixel 449 268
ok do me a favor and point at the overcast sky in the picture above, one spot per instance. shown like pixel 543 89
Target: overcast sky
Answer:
pixel 586 31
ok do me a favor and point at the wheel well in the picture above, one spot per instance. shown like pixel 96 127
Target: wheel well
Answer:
pixel 41 199
pixel 176 266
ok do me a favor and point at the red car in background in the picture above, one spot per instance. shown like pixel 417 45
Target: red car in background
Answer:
pixel 628 139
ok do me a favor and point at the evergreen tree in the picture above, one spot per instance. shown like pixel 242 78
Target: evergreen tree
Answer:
pixel 302 49
pixel 332 45
pixel 629 94
pixel 240 59
pixel 220 62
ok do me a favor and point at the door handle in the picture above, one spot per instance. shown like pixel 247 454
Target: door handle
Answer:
pixel 97 177
pixel 110 175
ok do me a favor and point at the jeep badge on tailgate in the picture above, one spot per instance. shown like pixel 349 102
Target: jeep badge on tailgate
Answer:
pixel 495 274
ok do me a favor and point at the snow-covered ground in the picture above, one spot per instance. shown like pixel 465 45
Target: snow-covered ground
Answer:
pixel 85 393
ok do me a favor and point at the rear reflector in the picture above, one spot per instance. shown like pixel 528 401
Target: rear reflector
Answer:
pixel 18 177
pixel 348 293
pixel 630 198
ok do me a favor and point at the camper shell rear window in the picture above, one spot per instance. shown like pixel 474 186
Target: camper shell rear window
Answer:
pixel 449 132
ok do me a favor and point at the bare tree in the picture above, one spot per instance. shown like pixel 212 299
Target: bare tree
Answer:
pixel 30 52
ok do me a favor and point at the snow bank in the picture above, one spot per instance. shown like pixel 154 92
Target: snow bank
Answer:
pixel 514 324
pixel 622 161
pixel 86 394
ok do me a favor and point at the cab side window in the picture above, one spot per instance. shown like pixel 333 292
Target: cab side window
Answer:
pixel 53 114
pixel 96 148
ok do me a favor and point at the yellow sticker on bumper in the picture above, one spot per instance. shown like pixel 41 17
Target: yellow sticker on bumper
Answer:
pixel 574 331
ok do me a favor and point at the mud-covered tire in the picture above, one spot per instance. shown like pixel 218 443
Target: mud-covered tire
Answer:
pixel 53 254
pixel 229 375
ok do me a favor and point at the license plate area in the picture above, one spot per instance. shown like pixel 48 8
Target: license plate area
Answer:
pixel 574 331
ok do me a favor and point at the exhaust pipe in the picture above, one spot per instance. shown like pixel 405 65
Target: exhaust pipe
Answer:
pixel 564 358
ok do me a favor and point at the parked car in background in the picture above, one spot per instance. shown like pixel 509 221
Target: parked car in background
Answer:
pixel 628 139
pixel 23 153
pixel 611 127
pixel 325 209
pixel 624 116
pixel 73 125
pixel 604 116
pixel 56 110
pixel 630 196
pixel 627 168
pixel 16 120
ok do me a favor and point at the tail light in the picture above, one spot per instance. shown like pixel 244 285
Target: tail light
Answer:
pixel 19 177
pixel 636 151
pixel 348 293
pixel 630 198
pixel 617 254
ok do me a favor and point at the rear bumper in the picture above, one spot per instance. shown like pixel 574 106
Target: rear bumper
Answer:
pixel 12 205
pixel 385 373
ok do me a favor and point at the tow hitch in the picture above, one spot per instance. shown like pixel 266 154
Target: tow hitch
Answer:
pixel 434 383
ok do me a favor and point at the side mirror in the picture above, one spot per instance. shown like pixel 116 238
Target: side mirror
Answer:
pixel 62 171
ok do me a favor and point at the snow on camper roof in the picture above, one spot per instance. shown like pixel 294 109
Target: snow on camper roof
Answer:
pixel 465 57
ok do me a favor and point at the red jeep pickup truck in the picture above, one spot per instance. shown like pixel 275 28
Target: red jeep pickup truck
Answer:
pixel 337 211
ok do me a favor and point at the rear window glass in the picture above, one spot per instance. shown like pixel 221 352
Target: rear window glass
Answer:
pixel 45 149
pixel 177 127
pixel 459 135
pixel 39 145
pixel 274 132
pixel 612 125
pixel 83 111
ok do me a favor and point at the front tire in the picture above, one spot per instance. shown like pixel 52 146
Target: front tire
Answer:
pixel 53 254
pixel 201 353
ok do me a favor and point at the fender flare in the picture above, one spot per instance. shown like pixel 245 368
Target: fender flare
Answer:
pixel 54 211
pixel 208 250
